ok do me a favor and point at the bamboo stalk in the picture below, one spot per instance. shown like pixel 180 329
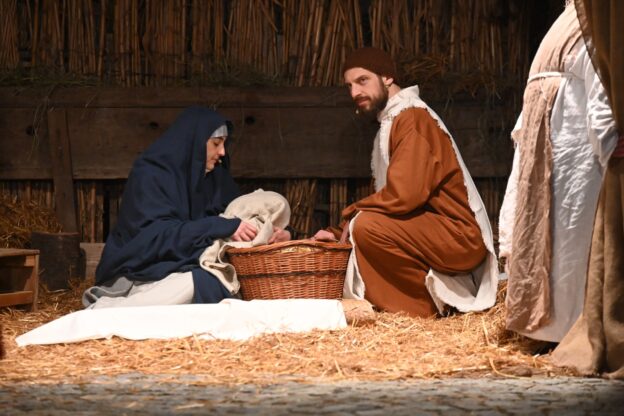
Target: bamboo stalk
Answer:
pixel 27 191
pixel 229 31
pixel 125 39
pixel 338 199
pixel 169 27
pixel 119 70
pixel 160 43
pixel 80 208
pixel 57 54
pixel 173 47
pixel 148 44
pixel 9 51
pixel 127 28
pixel 318 18
pixel 328 41
pixel 303 59
pixel 99 232
pixel 218 16
pixel 157 40
pixel 92 69
pixel 92 211
pixel 333 38
pixel 34 31
pixel 181 42
pixel 138 22
pixel 197 33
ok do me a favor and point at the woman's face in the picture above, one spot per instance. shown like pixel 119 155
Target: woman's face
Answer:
pixel 215 150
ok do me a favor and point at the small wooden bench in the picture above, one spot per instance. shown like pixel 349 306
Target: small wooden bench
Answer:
pixel 19 277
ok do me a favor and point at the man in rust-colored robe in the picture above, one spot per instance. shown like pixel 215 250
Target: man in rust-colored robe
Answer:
pixel 421 239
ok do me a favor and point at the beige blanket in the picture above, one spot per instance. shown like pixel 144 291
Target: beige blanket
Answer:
pixel 264 209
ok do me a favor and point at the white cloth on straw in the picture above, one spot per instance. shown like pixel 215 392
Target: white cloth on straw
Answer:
pixel 231 319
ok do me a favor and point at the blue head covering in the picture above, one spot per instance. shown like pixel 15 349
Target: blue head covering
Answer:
pixel 170 205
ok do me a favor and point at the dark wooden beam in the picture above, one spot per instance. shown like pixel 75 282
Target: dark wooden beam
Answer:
pixel 60 154
pixel 278 132
pixel 146 97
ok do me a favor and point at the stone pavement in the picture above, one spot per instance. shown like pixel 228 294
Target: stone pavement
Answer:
pixel 138 394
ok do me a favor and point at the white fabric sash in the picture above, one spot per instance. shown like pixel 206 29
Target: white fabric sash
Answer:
pixel 550 74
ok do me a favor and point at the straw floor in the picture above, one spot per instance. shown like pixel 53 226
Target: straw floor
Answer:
pixel 394 347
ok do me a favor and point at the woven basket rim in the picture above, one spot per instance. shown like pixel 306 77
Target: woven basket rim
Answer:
pixel 329 245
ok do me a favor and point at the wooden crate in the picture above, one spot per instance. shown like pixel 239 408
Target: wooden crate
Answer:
pixel 19 277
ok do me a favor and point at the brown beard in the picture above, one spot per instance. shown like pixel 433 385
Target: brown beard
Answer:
pixel 377 104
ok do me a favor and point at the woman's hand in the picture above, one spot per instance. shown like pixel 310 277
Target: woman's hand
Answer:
pixel 279 235
pixel 323 235
pixel 245 232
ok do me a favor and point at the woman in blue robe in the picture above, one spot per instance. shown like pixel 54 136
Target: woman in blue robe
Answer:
pixel 170 212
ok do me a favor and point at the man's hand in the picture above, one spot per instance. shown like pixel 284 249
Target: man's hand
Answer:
pixel 245 232
pixel 323 235
pixel 279 235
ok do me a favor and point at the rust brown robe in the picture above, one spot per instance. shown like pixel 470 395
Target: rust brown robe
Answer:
pixel 419 220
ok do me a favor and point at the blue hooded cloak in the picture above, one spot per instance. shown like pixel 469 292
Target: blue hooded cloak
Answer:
pixel 169 209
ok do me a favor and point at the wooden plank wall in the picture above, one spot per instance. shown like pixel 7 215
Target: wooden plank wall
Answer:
pixel 282 138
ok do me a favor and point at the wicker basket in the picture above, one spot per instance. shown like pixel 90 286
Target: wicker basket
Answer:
pixel 292 269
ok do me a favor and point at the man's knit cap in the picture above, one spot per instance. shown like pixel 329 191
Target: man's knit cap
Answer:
pixel 371 59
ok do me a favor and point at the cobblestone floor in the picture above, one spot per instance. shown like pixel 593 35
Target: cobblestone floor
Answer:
pixel 133 394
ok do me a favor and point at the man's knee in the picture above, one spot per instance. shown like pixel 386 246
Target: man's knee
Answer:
pixel 368 230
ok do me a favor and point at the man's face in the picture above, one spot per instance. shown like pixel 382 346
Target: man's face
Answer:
pixel 367 90
pixel 215 150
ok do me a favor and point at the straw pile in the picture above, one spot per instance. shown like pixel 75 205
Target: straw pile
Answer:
pixel 19 218
pixel 34 199
pixel 394 347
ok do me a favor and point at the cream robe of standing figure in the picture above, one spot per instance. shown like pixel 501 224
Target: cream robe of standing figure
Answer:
pixel 582 135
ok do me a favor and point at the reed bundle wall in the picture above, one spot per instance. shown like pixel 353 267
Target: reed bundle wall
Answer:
pixel 290 42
